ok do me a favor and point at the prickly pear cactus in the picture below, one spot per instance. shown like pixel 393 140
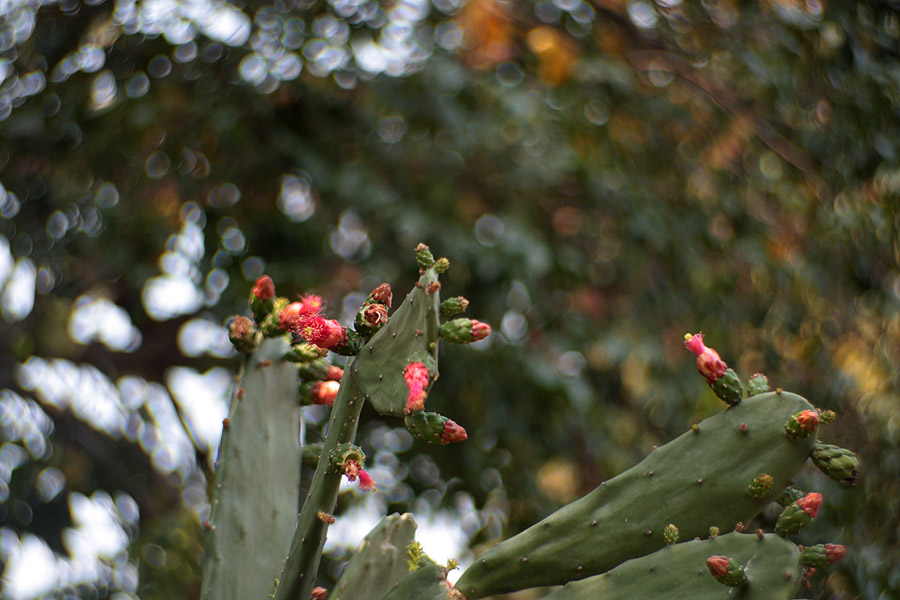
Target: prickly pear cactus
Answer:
pixel 256 493
pixel 770 566
pixel 379 562
pixel 698 480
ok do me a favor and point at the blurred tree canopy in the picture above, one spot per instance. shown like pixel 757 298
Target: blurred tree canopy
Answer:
pixel 604 175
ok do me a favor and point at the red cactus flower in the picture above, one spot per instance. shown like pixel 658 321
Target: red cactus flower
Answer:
pixel 453 432
pixel 324 392
pixel 334 373
pixel 416 378
pixel 810 503
pixel 366 483
pixel 808 420
pixel 264 288
pixel 318 331
pixel 480 330
pixel 709 363
pixel 718 565
pixel 383 294
pixel 834 552
pixel 306 306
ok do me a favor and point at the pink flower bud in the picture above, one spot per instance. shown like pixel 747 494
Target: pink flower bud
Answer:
pixel 453 432
pixel 334 373
pixel 319 593
pixel 416 377
pixel 810 503
pixel 834 552
pixel 324 392
pixel 480 330
pixel 709 363
pixel 718 565
pixel 264 288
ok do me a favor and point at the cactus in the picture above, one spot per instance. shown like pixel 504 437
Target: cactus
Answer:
pixel 698 480
pixel 379 562
pixel 248 531
pixel 713 478
pixel 681 571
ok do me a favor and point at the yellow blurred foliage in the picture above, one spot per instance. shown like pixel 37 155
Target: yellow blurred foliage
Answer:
pixel 488 32
pixel 556 53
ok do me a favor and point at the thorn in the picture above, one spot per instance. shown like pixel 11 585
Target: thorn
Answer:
pixel 240 394
pixel 325 517
pixel 226 422
pixel 650 473
pixel 524 559
pixel 695 428
pixel 760 534
pixel 700 480
pixel 743 428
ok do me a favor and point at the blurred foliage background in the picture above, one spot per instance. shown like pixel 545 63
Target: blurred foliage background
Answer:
pixel 604 176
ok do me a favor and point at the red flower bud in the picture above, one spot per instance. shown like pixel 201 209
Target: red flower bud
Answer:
pixel 264 288
pixel 334 373
pixel 718 565
pixel 319 593
pixel 834 552
pixel 709 363
pixel 480 330
pixel 453 432
pixel 416 377
pixel 808 420
pixel 810 503
pixel 324 392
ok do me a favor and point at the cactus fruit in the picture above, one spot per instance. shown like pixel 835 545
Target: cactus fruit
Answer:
pixel 433 427
pixel 821 555
pixel 262 297
pixel 758 384
pixel 726 571
pixel 424 257
pixel 838 463
pixel 802 424
pixel 696 481
pixel 798 514
pixel 761 485
pixel 454 306
pixel 379 561
pixel 464 331
pixel 260 450
pixel 679 571
pixel 728 387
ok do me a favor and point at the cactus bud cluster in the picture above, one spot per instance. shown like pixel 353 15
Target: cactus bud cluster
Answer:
pixel 454 306
pixel 821 555
pixel 758 384
pixel 726 571
pixel 670 534
pixel 243 334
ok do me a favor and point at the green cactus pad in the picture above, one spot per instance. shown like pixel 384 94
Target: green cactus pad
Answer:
pixel 428 582
pixel 679 571
pixel 249 531
pixel 379 562
pixel 412 329
pixel 696 481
